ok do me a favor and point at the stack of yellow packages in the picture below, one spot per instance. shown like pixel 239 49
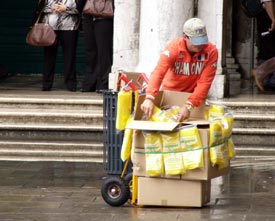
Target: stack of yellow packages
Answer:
pixel 175 162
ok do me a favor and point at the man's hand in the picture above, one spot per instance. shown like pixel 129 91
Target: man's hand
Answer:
pixel 184 114
pixel 147 107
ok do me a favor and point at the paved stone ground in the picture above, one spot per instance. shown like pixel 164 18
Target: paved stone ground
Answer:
pixel 57 191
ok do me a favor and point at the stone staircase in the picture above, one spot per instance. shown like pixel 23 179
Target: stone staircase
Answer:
pixel 253 127
pixel 65 126
pixel 54 126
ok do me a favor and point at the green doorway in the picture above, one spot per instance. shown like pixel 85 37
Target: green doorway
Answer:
pixel 15 55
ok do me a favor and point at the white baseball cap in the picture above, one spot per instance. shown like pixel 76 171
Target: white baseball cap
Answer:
pixel 195 29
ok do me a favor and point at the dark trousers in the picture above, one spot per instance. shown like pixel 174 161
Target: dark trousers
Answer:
pixel 68 42
pixel 98 35
pixel 104 41
pixel 266 44
pixel 266 50
pixel 89 82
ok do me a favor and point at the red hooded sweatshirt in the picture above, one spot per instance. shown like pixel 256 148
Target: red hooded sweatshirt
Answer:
pixel 177 70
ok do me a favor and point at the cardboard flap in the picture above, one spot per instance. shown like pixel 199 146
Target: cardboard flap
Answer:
pixel 196 121
pixel 150 125
pixel 171 98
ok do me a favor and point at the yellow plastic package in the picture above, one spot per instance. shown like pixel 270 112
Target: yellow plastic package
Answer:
pixel 153 156
pixel 227 123
pixel 191 144
pixel 162 116
pixel 126 143
pixel 218 151
pixel 172 110
pixel 124 105
pixel 215 111
pixel 172 157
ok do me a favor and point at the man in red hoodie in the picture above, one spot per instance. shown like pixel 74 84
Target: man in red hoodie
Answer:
pixel 187 64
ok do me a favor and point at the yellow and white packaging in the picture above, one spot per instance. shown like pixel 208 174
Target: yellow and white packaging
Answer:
pixel 173 159
pixel 173 111
pixel 153 156
pixel 191 144
pixel 162 116
pixel 126 145
pixel 124 105
pixel 218 151
pixel 227 123
pixel 215 111
pixel 127 142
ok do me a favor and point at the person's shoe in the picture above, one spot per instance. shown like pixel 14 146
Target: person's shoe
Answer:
pixel 257 81
pixel 73 89
pixel 86 90
pixel 45 89
pixel 269 87
pixel 100 91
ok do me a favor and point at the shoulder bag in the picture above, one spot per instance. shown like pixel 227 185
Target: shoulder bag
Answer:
pixel 99 8
pixel 41 34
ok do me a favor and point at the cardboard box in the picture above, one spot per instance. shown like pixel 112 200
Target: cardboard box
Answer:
pixel 197 117
pixel 205 173
pixel 173 193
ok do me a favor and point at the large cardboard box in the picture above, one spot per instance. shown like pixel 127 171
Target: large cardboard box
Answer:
pixel 208 171
pixel 197 117
pixel 173 193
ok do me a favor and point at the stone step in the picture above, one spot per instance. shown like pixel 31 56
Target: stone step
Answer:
pixel 93 133
pixel 251 161
pixel 254 151
pixel 52 145
pixel 53 157
pixel 54 126
pixel 51 150
pixel 48 153
pixel 50 117
pixel 54 101
pixel 248 107
pixel 254 121
pixel 254 136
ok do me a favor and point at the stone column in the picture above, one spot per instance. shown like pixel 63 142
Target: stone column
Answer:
pixel 211 12
pixel 126 34
pixel 160 22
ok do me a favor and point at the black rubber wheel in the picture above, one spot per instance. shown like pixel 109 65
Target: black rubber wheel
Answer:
pixel 129 180
pixel 115 191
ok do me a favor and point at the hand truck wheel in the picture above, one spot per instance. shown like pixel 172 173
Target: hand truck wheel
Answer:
pixel 115 191
pixel 129 180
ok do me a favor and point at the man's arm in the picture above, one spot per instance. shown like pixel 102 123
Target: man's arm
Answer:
pixel 155 80
pixel 157 75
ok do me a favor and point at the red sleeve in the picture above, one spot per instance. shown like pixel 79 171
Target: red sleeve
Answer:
pixel 203 84
pixel 165 62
